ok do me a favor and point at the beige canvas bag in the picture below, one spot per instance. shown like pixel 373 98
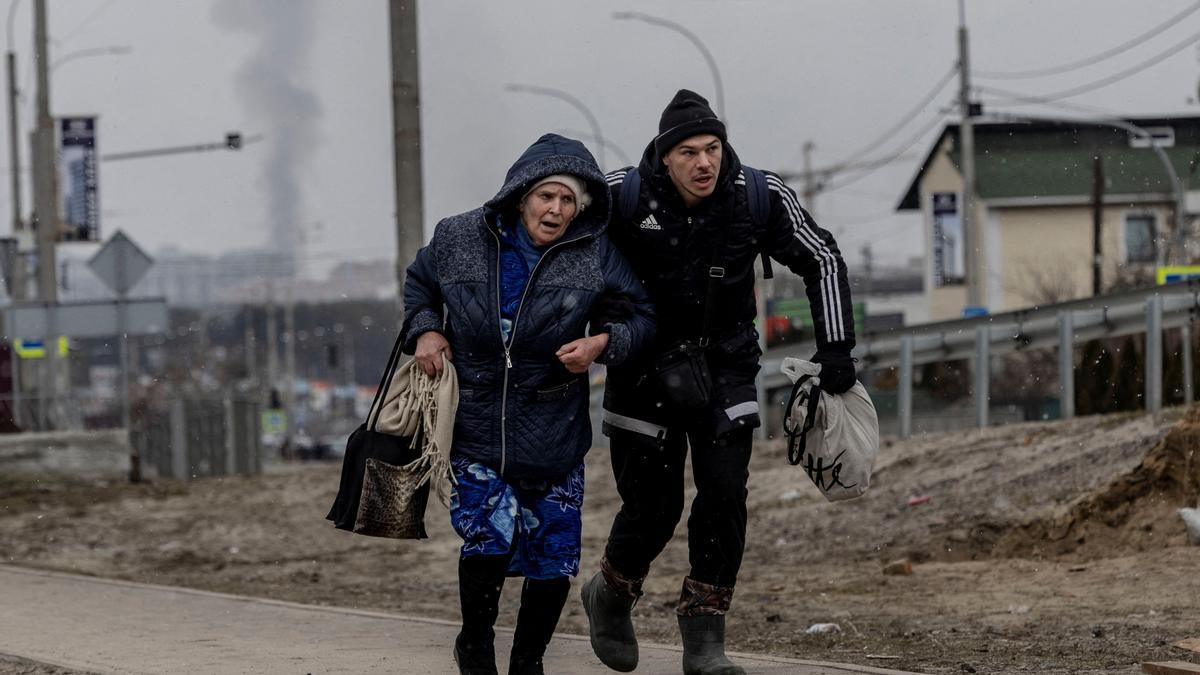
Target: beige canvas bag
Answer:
pixel 834 437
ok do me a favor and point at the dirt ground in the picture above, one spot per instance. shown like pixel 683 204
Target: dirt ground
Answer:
pixel 1042 548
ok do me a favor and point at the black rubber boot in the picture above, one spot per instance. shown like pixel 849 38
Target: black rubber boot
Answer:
pixel 704 646
pixel 480 579
pixel 608 607
pixel 542 602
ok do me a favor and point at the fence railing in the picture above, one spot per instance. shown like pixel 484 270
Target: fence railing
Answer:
pixel 1062 325
pixel 193 438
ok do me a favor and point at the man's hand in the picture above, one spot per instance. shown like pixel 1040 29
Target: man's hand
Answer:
pixel 430 347
pixel 577 355
pixel 837 370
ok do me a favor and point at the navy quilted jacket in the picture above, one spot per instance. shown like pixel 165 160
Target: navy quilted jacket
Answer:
pixel 520 411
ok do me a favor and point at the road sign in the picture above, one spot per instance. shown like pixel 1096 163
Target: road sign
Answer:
pixel 36 349
pixel 274 422
pixel 120 263
pixel 86 319
pixel 1174 273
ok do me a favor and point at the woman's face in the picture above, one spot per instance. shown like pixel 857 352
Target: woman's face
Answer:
pixel 547 211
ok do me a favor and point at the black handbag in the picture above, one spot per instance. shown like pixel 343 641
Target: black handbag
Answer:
pixel 378 495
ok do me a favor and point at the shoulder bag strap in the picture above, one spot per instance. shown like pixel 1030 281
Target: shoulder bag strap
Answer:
pixel 715 273
pixel 381 391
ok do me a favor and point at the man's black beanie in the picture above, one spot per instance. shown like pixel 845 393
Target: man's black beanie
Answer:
pixel 686 115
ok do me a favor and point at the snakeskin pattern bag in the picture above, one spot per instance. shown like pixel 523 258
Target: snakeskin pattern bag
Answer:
pixel 381 493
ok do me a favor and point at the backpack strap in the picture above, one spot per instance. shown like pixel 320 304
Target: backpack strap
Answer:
pixel 627 196
pixel 758 199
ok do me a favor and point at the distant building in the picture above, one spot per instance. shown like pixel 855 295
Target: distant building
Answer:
pixel 1034 200
pixel 238 277
pixel 894 295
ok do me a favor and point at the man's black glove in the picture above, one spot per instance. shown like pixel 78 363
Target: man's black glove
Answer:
pixel 611 308
pixel 837 370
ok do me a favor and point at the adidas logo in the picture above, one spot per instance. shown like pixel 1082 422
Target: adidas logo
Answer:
pixel 650 223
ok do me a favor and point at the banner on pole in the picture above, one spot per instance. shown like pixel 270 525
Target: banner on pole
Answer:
pixel 949 255
pixel 77 179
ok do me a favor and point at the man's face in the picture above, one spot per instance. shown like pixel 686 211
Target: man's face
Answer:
pixel 547 211
pixel 693 166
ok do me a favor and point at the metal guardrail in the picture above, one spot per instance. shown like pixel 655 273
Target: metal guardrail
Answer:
pixel 1061 325
pixel 192 438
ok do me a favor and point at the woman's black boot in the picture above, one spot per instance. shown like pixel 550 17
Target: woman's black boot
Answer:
pixel 542 602
pixel 480 579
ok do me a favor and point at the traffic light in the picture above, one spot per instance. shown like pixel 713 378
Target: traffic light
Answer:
pixel 331 355
pixel 233 140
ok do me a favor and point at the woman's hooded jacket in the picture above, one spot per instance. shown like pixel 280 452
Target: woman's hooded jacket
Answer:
pixel 520 411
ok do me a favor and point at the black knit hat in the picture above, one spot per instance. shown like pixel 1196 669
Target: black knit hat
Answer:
pixel 686 115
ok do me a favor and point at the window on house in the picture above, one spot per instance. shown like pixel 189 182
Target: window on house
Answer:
pixel 1139 238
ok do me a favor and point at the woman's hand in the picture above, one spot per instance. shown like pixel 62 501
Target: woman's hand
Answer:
pixel 430 347
pixel 577 355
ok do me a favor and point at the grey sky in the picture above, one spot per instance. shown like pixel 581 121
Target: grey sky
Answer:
pixel 836 72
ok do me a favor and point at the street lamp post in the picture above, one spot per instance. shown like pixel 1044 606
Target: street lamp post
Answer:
pixel 695 40
pixel 113 50
pixel 599 140
pixel 574 102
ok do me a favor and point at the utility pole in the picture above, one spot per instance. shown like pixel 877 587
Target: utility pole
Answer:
pixel 351 379
pixel 289 364
pixel 972 230
pixel 810 181
pixel 272 343
pixel 45 212
pixel 18 291
pixel 1097 222
pixel 868 266
pixel 406 129
pixel 250 347
pixel 45 208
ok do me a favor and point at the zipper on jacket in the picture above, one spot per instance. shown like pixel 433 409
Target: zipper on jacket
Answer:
pixel 512 334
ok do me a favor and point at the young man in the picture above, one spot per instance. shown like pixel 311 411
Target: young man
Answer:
pixel 692 239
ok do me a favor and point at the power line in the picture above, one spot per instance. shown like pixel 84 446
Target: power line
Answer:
pixel 894 157
pixel 872 237
pixel 1116 77
pixel 871 194
pixel 908 117
pixel 831 219
pixel 1074 107
pixel 1091 60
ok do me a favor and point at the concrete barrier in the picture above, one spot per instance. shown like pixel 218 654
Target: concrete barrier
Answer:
pixel 83 454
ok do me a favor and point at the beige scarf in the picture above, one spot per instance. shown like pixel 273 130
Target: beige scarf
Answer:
pixel 417 401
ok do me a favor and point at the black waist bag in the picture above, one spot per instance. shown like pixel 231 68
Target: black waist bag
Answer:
pixel 683 377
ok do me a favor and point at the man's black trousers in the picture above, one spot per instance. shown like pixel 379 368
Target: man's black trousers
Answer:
pixel 649 471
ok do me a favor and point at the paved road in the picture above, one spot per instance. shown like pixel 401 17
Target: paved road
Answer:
pixel 104 626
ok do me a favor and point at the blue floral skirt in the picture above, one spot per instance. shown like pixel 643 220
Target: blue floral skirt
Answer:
pixel 541 528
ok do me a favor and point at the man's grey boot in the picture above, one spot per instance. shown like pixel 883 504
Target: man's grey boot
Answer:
pixel 608 600
pixel 701 613
pixel 704 646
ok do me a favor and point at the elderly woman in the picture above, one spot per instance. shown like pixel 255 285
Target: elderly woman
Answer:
pixel 507 292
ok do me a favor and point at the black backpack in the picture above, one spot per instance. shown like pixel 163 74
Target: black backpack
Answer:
pixel 757 199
